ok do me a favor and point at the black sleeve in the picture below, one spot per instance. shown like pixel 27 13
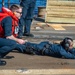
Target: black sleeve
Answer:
pixel 7 25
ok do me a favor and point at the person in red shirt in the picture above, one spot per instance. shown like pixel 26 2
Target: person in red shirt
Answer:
pixel 9 31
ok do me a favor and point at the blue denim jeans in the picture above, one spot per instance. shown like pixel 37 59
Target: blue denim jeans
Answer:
pixel 27 15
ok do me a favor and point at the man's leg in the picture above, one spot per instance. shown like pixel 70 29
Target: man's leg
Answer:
pixel 20 48
pixel 34 48
pixel 30 48
pixel 20 33
pixel 22 20
pixel 28 19
pixel 27 26
pixel 6 46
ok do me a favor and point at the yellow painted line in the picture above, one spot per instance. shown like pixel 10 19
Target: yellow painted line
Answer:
pixel 61 24
pixel 40 24
pixel 57 27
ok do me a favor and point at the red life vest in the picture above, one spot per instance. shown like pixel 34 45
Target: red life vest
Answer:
pixel 6 12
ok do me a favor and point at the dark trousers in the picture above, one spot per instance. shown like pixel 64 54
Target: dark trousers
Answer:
pixel 6 46
pixel 27 15
pixel 40 49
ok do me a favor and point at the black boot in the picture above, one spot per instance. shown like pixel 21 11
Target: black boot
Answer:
pixel 2 62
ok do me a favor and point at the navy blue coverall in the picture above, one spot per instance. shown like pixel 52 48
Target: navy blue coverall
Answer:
pixel 27 16
pixel 48 49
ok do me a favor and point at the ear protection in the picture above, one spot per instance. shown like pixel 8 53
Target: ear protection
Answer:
pixel 66 43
